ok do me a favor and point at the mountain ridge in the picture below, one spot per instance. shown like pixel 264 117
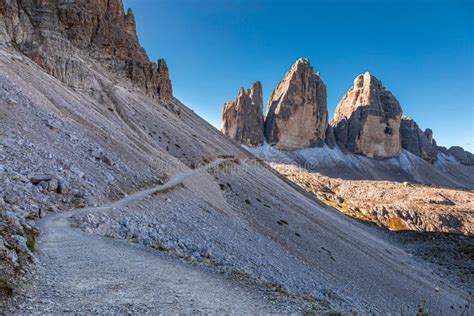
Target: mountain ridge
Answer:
pixel 368 122
pixel 92 136
pixel 368 94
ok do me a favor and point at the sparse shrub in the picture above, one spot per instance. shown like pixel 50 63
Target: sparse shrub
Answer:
pixel 160 247
pixel 31 244
pixel 5 288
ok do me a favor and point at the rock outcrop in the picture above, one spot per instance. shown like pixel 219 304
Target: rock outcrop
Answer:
pixel 297 113
pixel 242 119
pixel 391 204
pixel 330 137
pixel 461 155
pixel 367 119
pixel 416 141
pixel 54 34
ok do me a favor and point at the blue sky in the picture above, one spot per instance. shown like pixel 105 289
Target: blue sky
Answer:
pixel 421 50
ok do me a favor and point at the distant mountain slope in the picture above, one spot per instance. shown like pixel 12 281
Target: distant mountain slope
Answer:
pixel 445 172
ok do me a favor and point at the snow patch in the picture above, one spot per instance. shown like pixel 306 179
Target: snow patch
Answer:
pixel 269 153
pixel 444 161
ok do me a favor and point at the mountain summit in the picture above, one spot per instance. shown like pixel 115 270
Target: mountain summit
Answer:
pixel 297 109
pixel 367 119
pixel 242 119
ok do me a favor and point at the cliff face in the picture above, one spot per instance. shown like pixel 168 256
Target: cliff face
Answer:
pixel 57 34
pixel 242 118
pixel 416 141
pixel 367 119
pixel 297 113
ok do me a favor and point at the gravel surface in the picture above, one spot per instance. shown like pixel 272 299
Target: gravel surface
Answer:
pixel 81 273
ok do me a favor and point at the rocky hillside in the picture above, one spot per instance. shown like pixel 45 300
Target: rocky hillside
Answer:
pixel 397 206
pixel 87 121
pixel 86 118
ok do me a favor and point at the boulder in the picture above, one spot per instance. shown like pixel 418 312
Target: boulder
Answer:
pixel 297 113
pixel 416 141
pixel 367 119
pixel 37 178
pixel 242 119
pixel 53 185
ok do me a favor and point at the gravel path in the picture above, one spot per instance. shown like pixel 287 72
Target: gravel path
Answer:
pixel 86 273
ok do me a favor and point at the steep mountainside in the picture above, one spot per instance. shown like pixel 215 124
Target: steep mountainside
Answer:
pixel 88 120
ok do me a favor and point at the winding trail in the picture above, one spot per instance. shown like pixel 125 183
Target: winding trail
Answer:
pixel 82 273
pixel 174 181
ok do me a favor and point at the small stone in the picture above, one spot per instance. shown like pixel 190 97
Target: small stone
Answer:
pixel 53 185
pixel 10 198
pixel 12 256
pixel 44 185
pixel 37 178
pixel 3 244
pixel 77 171
pixel 206 253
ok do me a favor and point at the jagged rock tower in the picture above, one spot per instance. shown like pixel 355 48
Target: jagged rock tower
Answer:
pixel 297 113
pixel 242 119
pixel 367 119
pixel 416 141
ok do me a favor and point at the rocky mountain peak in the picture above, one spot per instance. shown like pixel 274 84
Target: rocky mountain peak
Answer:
pixel 256 94
pixel 369 93
pixel 367 119
pixel 297 109
pixel 242 118
pixel 59 35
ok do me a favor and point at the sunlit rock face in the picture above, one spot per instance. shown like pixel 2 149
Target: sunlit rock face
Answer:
pixel 242 118
pixel 367 119
pixel 297 113
pixel 56 34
